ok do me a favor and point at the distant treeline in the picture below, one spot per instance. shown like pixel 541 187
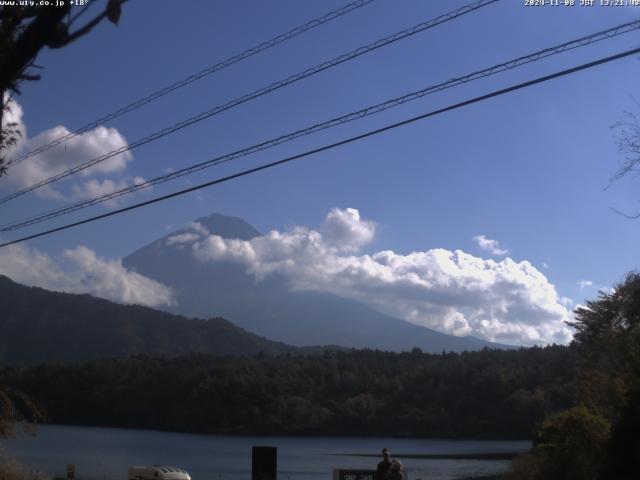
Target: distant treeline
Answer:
pixel 490 393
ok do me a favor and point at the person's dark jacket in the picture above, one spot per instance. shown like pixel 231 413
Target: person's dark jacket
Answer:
pixel 389 471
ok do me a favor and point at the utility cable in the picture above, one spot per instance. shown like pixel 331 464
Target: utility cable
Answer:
pixel 349 140
pixel 533 57
pixel 258 93
pixel 196 76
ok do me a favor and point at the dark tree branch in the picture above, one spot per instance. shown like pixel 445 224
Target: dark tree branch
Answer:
pixel 24 31
pixel 115 5
pixel 39 32
pixel 628 140
pixel 82 11
pixel 626 215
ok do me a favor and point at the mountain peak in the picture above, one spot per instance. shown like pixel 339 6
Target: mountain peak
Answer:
pixel 228 227
pixel 269 306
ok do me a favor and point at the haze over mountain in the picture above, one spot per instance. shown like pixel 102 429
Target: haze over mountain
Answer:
pixel 38 325
pixel 268 305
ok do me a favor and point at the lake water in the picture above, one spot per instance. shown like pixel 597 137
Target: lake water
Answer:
pixel 107 453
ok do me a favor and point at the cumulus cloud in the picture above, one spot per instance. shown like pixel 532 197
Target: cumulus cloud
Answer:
pixel 199 228
pixel 82 271
pixel 585 284
pixel 182 238
pixel 97 188
pixel 75 151
pixel 346 230
pixel 450 291
pixel 195 231
pixel 79 149
pixel 566 301
pixel 489 245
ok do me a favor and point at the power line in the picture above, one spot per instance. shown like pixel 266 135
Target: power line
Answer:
pixel 262 91
pixel 541 54
pixel 336 144
pixel 197 76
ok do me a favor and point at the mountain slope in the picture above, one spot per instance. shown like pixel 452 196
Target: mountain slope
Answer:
pixel 39 325
pixel 268 307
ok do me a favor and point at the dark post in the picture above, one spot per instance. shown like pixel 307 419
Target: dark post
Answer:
pixel 264 463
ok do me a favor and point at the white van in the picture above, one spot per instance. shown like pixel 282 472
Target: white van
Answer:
pixel 157 472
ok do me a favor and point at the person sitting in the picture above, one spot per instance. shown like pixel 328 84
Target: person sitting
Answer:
pixel 388 469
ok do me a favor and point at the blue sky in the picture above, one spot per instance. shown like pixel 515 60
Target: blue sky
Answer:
pixel 528 169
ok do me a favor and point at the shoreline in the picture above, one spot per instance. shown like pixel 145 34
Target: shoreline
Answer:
pixel 440 456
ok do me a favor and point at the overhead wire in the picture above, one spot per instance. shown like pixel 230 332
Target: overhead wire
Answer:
pixel 262 91
pixel 294 32
pixel 371 110
pixel 346 141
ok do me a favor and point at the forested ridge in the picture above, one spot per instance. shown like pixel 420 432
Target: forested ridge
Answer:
pixel 579 403
pixel 490 393
pixel 38 325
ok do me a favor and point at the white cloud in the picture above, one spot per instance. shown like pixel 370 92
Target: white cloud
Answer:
pixel 199 228
pixel 182 238
pixel 97 188
pixel 585 284
pixel 199 195
pixel 82 271
pixel 346 230
pixel 566 301
pixel 79 149
pixel 450 291
pixel 489 245
pixel 195 231
pixel 217 248
pixel 94 188
pixel 545 265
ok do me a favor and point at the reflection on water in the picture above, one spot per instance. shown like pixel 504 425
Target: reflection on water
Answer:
pixel 106 453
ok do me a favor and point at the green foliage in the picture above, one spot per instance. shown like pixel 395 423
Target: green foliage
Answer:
pixel 531 465
pixel 17 407
pixel 12 469
pixel 7 415
pixel 623 454
pixel 598 439
pixel 491 393
pixel 9 134
pixel 573 443
pixel 608 342
pixel 609 317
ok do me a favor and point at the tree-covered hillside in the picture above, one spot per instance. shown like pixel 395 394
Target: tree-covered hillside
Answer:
pixel 39 325
pixel 491 393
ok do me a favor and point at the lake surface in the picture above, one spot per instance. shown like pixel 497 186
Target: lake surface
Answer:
pixel 107 453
